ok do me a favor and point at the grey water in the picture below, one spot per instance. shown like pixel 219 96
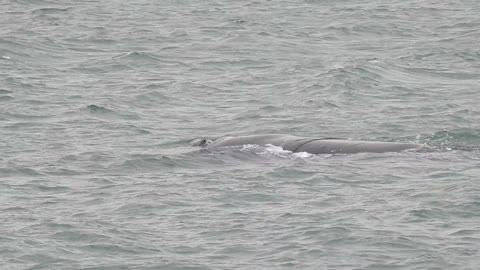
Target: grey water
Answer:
pixel 100 101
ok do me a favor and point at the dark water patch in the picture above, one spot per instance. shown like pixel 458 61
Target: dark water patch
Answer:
pixel 60 226
pixel 34 3
pixel 19 172
pixel 104 112
pixel 462 26
pixel 138 209
pixel 15 209
pixel 61 171
pixel 47 20
pixel 466 209
pixel 290 173
pixel 37 102
pixel 5 98
pixel 157 86
pixel 99 66
pixel 466 233
pixel 50 188
pixel 50 10
pixel 429 215
pixel 99 109
pixel 80 46
pixel 103 183
pixel 470 56
pixel 5 92
pixel 270 109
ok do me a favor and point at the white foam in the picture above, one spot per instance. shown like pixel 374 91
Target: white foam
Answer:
pixel 276 151
pixel 303 155
pixel 249 147
pixel 268 150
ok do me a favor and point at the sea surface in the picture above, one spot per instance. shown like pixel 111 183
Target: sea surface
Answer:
pixel 100 102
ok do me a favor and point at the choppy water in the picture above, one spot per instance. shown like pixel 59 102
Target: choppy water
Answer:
pixel 99 102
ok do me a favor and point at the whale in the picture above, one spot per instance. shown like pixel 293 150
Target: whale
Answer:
pixel 310 145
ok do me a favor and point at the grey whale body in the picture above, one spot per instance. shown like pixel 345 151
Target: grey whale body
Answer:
pixel 312 145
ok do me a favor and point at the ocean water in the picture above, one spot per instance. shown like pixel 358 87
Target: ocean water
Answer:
pixel 100 101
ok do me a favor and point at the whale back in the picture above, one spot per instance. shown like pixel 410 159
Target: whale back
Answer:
pixel 349 147
pixel 312 145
